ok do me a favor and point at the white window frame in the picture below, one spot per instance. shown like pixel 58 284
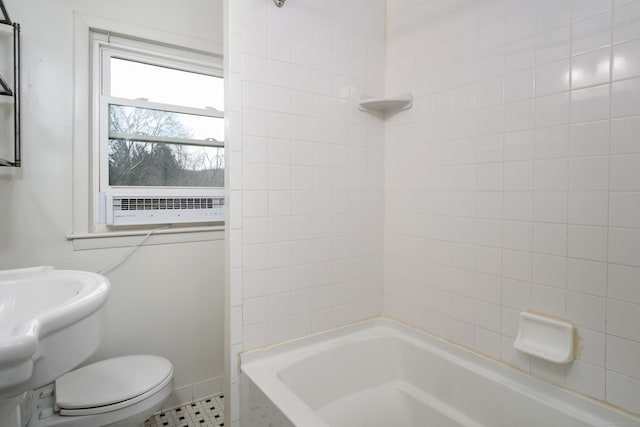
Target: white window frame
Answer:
pixel 86 232
pixel 107 46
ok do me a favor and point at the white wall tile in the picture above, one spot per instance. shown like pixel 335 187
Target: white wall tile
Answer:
pixel 516 265
pixel 488 288
pixel 626 60
pixel 552 14
pixel 254 149
pixel 516 294
pixel 518 145
pixel 588 277
pixel 255 257
pixel 550 239
pixel 591 346
pixel 625 98
pixel 488 232
pixel 587 379
pixel 552 110
pixel 514 357
pixel 254 68
pixel 255 230
pixel 625 22
pixel 625 172
pixel 589 173
pixel 623 356
pixel 255 283
pixel 551 174
pixel 550 206
pixel 254 203
pixel 623 135
pixel 517 235
pixel 624 283
pixel 548 299
pixel 490 92
pixel 519 22
pixel 519 85
pixel 590 104
pixel 553 44
pixel 520 54
pixel 591 33
pixel 254 176
pixel 253 41
pixel 487 316
pixel 254 310
pixel 587 243
pixel 462 333
pixel 549 270
pixel 587 310
pixel 490 176
pixel 518 175
pixel 487 342
pixel 622 320
pixel 499 176
pixel 519 115
pixel 552 77
pixel 490 148
pixel 588 207
pixel 624 246
pixel 255 335
pixel 551 142
pixel 622 390
pixel 624 209
pixel 488 260
pixel 589 139
pixel 254 95
pixel 591 68
pixel 585 8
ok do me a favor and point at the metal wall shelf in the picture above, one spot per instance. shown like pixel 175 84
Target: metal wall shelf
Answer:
pixel 8 29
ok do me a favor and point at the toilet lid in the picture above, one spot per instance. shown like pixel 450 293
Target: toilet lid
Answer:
pixel 112 381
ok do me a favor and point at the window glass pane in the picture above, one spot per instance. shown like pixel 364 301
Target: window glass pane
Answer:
pixel 136 163
pixel 126 120
pixel 136 80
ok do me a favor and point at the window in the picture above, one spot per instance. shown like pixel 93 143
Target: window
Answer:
pixel 158 131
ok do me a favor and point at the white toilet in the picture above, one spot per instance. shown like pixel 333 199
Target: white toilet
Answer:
pixel 119 392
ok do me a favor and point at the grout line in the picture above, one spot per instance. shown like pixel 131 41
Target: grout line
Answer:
pixel 606 286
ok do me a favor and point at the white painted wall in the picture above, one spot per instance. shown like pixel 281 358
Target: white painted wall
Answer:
pixel 514 181
pixel 167 299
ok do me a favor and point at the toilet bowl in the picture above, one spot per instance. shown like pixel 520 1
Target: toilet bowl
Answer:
pixel 119 392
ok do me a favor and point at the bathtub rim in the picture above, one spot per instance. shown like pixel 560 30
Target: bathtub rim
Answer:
pixel 262 366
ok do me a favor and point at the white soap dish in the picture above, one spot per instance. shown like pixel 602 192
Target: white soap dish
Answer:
pixel 545 337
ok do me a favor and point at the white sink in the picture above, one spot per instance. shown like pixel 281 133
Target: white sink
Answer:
pixel 49 324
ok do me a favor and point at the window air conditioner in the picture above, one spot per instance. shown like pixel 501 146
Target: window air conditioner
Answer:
pixel 140 209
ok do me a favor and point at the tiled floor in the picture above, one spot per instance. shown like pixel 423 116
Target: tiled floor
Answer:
pixel 203 413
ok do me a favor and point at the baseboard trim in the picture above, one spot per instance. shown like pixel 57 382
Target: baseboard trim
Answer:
pixel 192 392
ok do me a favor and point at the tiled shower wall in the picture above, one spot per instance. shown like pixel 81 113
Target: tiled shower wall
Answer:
pixel 514 181
pixel 306 169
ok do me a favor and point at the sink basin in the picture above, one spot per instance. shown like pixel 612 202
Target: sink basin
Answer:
pixel 49 323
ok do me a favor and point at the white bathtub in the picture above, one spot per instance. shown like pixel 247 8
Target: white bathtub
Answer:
pixel 381 373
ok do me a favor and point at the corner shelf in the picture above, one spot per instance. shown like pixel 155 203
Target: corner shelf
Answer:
pixel 386 105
